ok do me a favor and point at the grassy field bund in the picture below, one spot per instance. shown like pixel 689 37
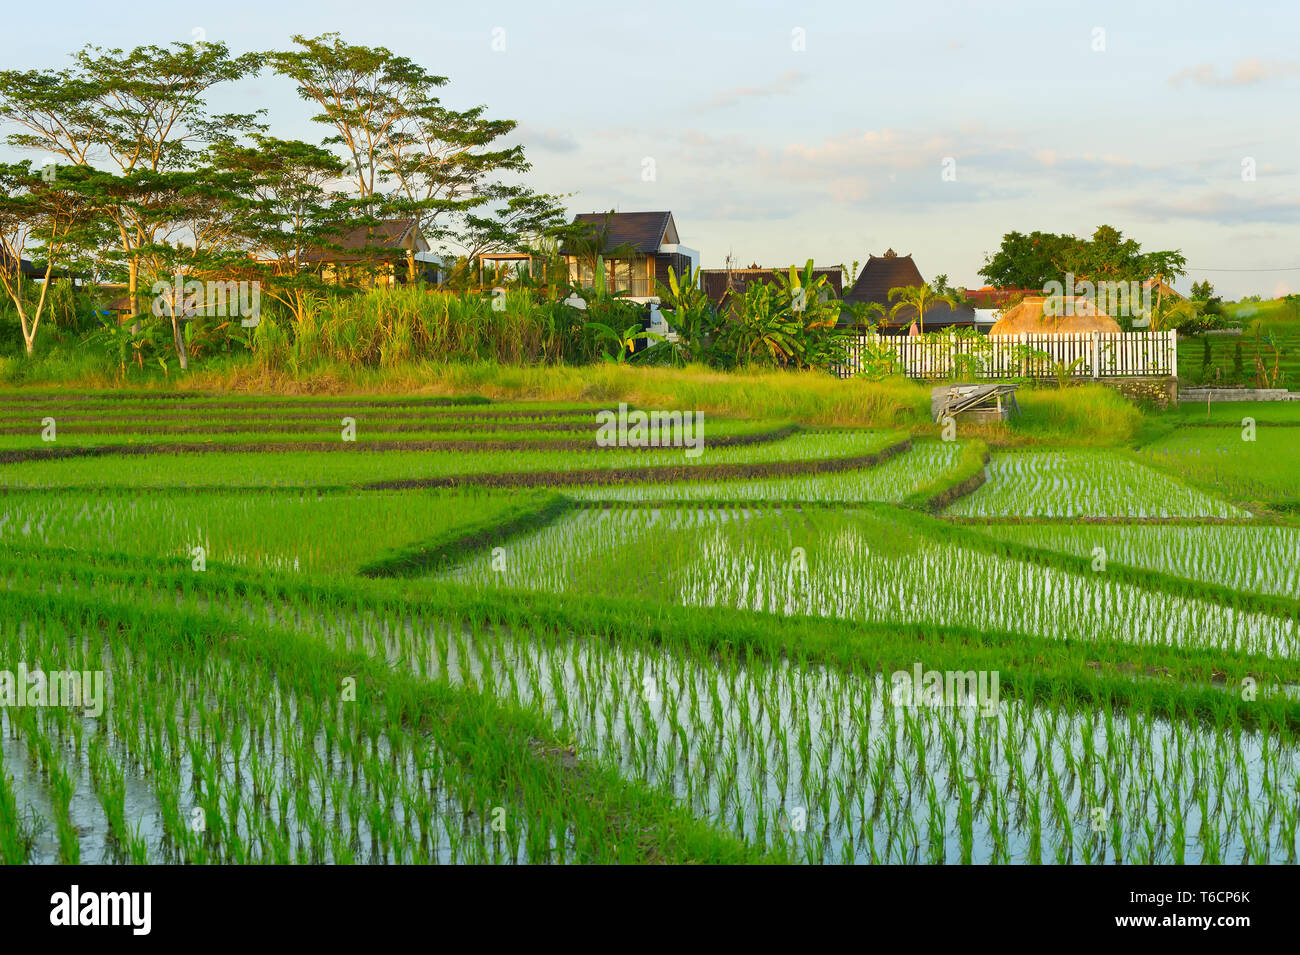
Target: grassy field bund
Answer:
pixel 462 630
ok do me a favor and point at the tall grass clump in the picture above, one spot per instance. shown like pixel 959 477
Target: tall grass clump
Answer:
pixel 1088 414
pixel 391 327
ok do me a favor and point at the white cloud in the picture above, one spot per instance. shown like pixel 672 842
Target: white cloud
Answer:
pixel 1245 72
pixel 546 138
pixel 1221 208
pixel 782 86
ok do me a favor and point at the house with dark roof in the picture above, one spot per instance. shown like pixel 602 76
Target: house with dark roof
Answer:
pixel 380 254
pixel 890 271
pixel 25 268
pixel 638 249
pixel 720 284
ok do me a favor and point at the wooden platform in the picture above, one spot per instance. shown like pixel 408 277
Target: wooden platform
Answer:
pixel 979 403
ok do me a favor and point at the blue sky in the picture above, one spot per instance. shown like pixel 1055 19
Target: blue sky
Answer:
pixel 784 131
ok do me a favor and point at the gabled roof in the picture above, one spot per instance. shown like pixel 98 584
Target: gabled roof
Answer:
pixel 891 270
pixel 25 266
pixel 1163 287
pixel 880 274
pixel 937 315
pixel 644 231
pixel 389 235
pixel 717 283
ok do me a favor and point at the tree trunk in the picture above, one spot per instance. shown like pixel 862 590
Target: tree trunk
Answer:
pixel 132 286
pixel 181 355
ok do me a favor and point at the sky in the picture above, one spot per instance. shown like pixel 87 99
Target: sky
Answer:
pixel 776 132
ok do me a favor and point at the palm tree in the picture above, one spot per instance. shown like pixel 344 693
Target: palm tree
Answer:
pixel 865 312
pixel 919 298
pixel 914 297
pixel 1182 311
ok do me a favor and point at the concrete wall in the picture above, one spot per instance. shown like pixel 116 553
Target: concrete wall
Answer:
pixel 1237 394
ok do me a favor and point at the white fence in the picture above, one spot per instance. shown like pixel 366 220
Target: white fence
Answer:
pixel 1027 355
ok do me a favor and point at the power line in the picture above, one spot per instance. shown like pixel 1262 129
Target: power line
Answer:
pixel 1285 268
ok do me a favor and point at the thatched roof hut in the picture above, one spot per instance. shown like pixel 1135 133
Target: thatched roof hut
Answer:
pixel 1082 316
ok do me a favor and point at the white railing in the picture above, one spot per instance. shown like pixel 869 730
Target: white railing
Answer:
pixel 1026 355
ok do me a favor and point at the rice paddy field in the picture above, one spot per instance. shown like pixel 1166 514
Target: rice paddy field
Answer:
pixel 470 632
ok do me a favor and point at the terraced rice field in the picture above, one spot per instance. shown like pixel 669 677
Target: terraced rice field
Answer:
pixel 1259 466
pixel 1078 483
pixel 898 478
pixel 798 646
pixel 1242 557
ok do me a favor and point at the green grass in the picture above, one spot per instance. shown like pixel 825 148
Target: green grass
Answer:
pixel 1234 413
pixel 271 530
pixel 1262 471
pixel 1223 364
pixel 857 565
pixel 367 431
pixel 1243 558
pixel 1084 483
pixel 812 398
pixel 657 686
pixel 683 669
pixel 1079 415
pixel 358 466
pixel 926 463
pixel 499 761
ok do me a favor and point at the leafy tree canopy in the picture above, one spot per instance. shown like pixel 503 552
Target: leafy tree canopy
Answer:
pixel 1035 259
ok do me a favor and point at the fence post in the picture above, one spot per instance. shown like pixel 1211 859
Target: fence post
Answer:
pixel 1096 354
pixel 1173 352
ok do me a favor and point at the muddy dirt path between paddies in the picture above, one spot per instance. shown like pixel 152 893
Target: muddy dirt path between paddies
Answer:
pixel 942 499
pixel 200 412
pixel 25 455
pixel 642 475
pixel 310 425
pixel 652 838
pixel 332 417
pixel 207 400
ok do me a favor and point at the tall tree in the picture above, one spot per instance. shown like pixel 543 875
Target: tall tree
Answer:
pixel 367 94
pixel 286 213
pixel 46 217
pixel 142 113
pixel 408 154
pixel 1107 257
pixel 442 166
pixel 516 219
pixel 1026 261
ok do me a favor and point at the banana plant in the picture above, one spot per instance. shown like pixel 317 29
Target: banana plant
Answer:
pixel 623 342
pixel 120 340
pixel 766 331
pixel 694 319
